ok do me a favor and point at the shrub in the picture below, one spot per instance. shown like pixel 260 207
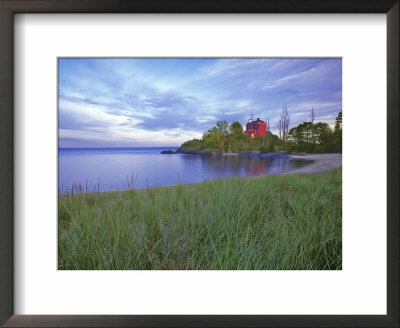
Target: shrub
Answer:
pixel 275 148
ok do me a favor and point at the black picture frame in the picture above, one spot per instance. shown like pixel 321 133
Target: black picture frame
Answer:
pixel 10 7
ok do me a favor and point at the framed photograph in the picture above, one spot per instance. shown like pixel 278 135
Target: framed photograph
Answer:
pixel 199 164
pixel 184 148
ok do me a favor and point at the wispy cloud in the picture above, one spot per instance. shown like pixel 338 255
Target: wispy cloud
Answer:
pixel 142 102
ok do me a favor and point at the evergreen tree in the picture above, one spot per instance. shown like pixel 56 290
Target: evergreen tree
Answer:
pixel 337 132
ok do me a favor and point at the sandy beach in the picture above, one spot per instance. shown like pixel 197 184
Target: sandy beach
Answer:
pixel 321 163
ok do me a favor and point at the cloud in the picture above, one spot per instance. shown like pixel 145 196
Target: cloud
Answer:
pixel 167 101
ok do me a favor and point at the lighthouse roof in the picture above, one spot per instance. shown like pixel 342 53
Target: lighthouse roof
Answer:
pixel 256 121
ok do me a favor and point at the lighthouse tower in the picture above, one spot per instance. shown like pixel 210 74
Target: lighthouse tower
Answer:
pixel 256 128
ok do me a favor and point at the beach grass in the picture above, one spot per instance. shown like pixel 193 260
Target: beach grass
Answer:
pixel 279 222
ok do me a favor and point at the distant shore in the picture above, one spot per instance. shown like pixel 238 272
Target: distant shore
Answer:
pixel 250 153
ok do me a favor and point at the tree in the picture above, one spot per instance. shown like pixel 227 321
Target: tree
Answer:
pixel 338 121
pixel 312 118
pixel 236 129
pixel 212 139
pixel 301 133
pixel 312 115
pixel 280 127
pixel 235 134
pixel 223 128
pixel 337 132
pixel 284 124
pixel 267 126
pixel 323 134
pixel 216 137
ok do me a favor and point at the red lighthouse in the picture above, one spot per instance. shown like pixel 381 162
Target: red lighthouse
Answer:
pixel 256 128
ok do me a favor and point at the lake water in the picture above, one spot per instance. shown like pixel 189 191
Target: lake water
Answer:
pixel 123 168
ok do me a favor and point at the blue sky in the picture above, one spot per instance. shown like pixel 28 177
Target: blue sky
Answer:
pixel 126 102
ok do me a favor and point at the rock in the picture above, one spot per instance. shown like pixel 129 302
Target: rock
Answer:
pixel 270 155
pixel 167 152
pixel 185 151
pixel 276 155
pixel 203 153
pixel 254 154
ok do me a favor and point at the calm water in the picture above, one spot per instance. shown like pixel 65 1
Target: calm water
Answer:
pixel 122 168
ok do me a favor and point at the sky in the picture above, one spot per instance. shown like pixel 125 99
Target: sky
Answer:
pixel 153 102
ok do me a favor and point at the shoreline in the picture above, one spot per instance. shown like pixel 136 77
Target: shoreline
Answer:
pixel 250 153
pixel 319 163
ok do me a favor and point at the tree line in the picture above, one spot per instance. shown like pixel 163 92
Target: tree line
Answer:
pixel 315 137
pixel 305 137
pixel 231 138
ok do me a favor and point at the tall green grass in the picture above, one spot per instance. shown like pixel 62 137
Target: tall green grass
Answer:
pixel 291 222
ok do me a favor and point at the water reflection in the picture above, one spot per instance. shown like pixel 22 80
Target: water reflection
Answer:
pixel 226 166
pixel 111 169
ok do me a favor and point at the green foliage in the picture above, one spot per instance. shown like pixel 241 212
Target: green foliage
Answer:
pixel 213 139
pixel 216 138
pixel 222 128
pixel 236 129
pixel 265 149
pixel 230 137
pixel 301 133
pixel 290 222
pixel 323 134
pixel 337 132
pixel 319 137
pixel 193 144
pixel 275 148
pixel 305 137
